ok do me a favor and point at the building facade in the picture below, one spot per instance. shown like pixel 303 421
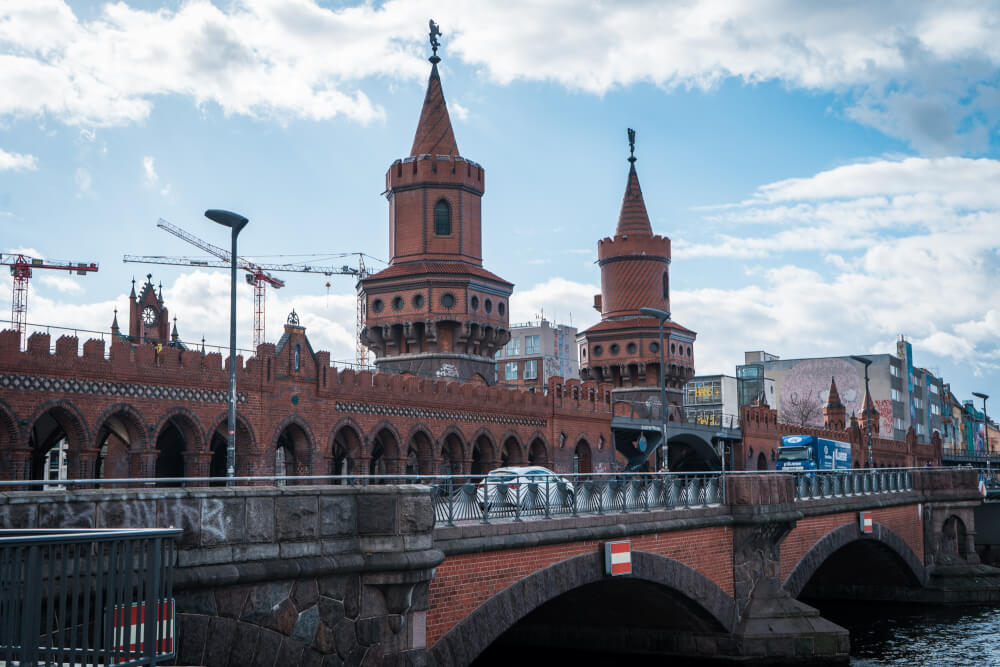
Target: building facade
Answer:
pixel 712 400
pixel 905 395
pixel 536 352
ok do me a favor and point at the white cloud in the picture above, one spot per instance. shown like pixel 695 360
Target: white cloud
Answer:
pixel 149 170
pixel 17 161
pixel 460 112
pixel 560 300
pixel 919 71
pixel 62 283
pixel 83 180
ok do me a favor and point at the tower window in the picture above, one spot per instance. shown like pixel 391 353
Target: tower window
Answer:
pixel 298 356
pixel 666 285
pixel 442 218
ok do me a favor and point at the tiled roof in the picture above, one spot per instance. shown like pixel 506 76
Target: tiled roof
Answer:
pixel 633 218
pixel 434 134
pixel 636 323
pixel 421 268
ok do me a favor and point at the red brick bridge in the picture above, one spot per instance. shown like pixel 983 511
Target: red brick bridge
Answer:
pixel 324 575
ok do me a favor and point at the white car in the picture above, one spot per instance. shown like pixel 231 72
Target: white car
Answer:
pixel 529 486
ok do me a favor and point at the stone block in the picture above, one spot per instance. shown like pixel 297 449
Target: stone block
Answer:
pixel 343 545
pixel 132 513
pixel 289 653
pixel 369 630
pixel 222 633
pixel 305 593
pixel 380 544
pixel 338 516
pixel 333 661
pixel 231 600
pixel 299 549
pixel 306 625
pixel 333 586
pixel 377 515
pixel 418 542
pixel 255 552
pixel 196 602
pixel 310 658
pixel 244 647
pixel 192 635
pixel 194 557
pixel 331 611
pixel 416 514
pixel 345 638
pixel 284 618
pixel 184 513
pixel 259 519
pixel 267 649
pixel 221 521
pixel 296 517
pixel 67 515
pixel 352 596
pixel 262 599
pixel 20 515
pixel 372 602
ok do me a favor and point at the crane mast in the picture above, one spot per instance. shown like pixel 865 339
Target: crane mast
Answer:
pixel 21 267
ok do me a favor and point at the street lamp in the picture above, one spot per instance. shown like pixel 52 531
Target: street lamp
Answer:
pixel 662 316
pixel 986 431
pixel 236 223
pixel 867 363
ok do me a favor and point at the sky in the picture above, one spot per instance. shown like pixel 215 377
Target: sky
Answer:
pixel 827 172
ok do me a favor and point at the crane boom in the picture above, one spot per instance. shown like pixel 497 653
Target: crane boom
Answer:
pixel 21 267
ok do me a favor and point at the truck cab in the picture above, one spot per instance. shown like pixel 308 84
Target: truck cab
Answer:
pixel 807 452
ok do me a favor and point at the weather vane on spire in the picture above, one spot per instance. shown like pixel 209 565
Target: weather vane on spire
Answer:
pixel 434 34
pixel 631 144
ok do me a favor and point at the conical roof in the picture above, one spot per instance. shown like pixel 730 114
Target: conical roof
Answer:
pixel 833 400
pixel 633 218
pixel 434 134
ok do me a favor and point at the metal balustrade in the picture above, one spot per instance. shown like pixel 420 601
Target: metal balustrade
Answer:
pixel 484 499
pixel 78 597
pixel 839 483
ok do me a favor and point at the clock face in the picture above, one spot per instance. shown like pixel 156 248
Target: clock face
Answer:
pixel 149 315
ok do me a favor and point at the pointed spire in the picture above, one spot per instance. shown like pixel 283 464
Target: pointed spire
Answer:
pixel 132 295
pixel 633 218
pixel 159 297
pixel 203 343
pixel 434 135
pixel 114 323
pixel 833 400
pixel 173 334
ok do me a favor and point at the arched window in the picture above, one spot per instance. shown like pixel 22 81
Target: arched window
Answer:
pixel 442 218
pixel 666 285
pixel 298 356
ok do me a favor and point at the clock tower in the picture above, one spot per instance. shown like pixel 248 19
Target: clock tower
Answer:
pixel 149 320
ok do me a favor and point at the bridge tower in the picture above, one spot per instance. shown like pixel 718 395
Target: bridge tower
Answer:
pixel 623 348
pixel 834 412
pixel 435 311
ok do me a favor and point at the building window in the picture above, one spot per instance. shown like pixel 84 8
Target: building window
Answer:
pixel 654 347
pixel 397 303
pixel 630 348
pixel 298 356
pixel 894 370
pixel 513 347
pixel 448 300
pixel 935 410
pixel 510 371
pixel 921 429
pixel 532 344
pixel 934 389
pixel 531 369
pixel 897 423
pixel 598 350
pixel 475 303
pixel 895 395
pixel 918 403
pixel 442 218
pixel 666 285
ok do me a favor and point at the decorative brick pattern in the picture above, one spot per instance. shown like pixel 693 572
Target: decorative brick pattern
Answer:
pixel 57 385
pixel 445 415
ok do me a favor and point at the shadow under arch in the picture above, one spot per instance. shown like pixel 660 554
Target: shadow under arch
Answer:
pixel 842 537
pixel 468 638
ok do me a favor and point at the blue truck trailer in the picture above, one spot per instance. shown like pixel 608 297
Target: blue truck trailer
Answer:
pixel 807 452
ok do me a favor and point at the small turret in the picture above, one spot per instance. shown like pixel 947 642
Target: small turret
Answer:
pixel 114 324
pixel 834 412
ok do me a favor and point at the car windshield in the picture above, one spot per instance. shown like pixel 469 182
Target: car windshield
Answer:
pixel 793 454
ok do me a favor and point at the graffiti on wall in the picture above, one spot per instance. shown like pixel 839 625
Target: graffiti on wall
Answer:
pixel 807 384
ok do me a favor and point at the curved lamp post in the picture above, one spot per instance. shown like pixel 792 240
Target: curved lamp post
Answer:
pixel 662 316
pixel 867 363
pixel 236 223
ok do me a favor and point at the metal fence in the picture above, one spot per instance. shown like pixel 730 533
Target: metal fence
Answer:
pixel 834 483
pixel 516 498
pixel 87 597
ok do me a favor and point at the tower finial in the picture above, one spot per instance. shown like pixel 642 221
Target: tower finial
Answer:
pixel 631 145
pixel 434 34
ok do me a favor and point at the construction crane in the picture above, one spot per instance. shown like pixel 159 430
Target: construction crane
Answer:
pixel 21 267
pixel 257 274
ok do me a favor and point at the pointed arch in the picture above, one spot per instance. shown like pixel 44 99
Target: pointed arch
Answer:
pixel 583 458
pixel 384 449
pixel 538 453
pixel 512 450
pixel 451 452
pixel 177 436
pixel 57 432
pixel 121 430
pixel 218 443
pixel 345 449
pixel 419 451
pixel 484 452
pixel 292 447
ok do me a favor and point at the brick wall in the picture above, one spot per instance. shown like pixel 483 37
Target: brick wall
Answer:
pixel 902 520
pixel 462 583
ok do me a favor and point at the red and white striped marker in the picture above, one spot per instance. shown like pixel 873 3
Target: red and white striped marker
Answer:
pixel 865 522
pixel 618 558
pixel 132 640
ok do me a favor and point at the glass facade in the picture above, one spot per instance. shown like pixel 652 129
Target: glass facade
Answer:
pixel 703 392
pixel 749 383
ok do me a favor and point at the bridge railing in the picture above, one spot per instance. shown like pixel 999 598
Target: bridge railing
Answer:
pixel 517 498
pixel 838 483
pixel 87 596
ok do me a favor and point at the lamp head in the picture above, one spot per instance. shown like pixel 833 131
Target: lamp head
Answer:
pixel 235 221
pixel 862 360
pixel 981 395
pixel 655 312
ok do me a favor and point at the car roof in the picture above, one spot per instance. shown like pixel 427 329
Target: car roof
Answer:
pixel 519 470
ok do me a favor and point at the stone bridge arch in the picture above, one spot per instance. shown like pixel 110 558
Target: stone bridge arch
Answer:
pixel 468 638
pixel 846 535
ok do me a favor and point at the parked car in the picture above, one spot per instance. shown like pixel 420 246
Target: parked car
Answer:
pixel 529 486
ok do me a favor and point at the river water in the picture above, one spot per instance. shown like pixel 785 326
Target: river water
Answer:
pixel 883 635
